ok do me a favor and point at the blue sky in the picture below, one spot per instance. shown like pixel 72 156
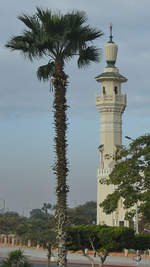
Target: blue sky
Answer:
pixel 26 118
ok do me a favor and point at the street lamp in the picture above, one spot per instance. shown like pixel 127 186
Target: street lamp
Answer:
pixel 136 221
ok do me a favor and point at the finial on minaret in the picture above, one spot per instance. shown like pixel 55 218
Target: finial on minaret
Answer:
pixel 111 50
pixel 110 37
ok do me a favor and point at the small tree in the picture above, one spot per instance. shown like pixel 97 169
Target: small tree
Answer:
pixel 131 177
pixel 101 239
pixel 110 239
pixel 78 239
pixel 16 258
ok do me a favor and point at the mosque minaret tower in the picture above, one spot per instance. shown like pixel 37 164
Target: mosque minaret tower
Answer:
pixel 111 104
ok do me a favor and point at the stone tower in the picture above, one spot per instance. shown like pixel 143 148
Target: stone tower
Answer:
pixel 111 105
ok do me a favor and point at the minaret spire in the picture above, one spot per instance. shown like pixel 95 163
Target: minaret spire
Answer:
pixel 110 37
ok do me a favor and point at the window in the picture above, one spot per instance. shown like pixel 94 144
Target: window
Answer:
pixel 104 92
pixel 116 90
pixel 121 223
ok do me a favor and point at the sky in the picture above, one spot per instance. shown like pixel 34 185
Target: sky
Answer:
pixel 26 117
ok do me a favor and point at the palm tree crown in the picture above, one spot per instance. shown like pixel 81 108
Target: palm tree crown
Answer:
pixel 59 38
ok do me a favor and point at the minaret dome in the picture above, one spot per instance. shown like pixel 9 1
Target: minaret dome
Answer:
pixel 111 50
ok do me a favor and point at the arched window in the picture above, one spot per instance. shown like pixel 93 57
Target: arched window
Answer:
pixel 116 90
pixel 104 92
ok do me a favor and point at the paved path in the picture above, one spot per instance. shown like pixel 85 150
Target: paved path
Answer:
pixel 41 256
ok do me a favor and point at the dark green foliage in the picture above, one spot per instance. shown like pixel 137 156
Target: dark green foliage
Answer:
pixel 9 221
pixel 40 225
pixel 56 36
pixel 142 242
pixel 115 238
pixel 16 258
pixel 83 214
pixel 101 239
pixel 131 176
pixel 46 207
pixel 78 237
pixel 11 214
pixel 37 214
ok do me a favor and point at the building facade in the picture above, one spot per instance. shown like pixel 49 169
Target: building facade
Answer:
pixel 111 104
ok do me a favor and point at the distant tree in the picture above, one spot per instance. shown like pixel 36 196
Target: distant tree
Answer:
pixel 83 214
pixel 9 221
pixel 39 226
pixel 11 214
pixel 46 207
pixel 37 214
pixel 40 214
pixel 131 177
pixel 59 38
pixel 39 229
pixel 40 223
pixel 22 229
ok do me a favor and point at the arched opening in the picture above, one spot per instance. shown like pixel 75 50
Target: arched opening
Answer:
pixel 104 92
pixel 116 90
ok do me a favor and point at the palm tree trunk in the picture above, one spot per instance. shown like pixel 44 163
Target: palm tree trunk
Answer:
pixel 60 168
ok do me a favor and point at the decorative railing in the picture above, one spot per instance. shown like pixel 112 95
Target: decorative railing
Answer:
pixel 103 172
pixel 118 99
pixel 12 240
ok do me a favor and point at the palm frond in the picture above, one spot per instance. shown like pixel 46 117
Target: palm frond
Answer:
pixel 46 71
pixel 30 21
pixel 88 55
pixel 57 36
pixel 76 38
pixel 52 23
pixel 75 19
pixel 24 45
pixel 30 44
pixel 6 263
pixel 90 34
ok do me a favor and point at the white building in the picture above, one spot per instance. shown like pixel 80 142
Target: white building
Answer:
pixel 111 104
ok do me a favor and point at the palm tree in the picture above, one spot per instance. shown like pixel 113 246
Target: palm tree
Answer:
pixel 59 38
pixel 16 258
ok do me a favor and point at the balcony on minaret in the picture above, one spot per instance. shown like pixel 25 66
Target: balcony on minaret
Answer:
pixel 104 172
pixel 110 99
pixel 111 96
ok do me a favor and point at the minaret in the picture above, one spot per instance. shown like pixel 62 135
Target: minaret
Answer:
pixel 111 105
